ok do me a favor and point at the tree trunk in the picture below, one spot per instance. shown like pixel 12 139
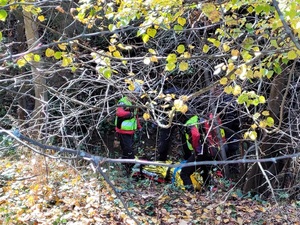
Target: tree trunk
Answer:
pixel 269 144
pixel 39 81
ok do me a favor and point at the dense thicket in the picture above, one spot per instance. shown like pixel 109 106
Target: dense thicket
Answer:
pixel 91 55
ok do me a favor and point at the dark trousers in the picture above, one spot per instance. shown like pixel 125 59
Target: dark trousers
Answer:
pixel 165 141
pixel 126 143
pixel 186 172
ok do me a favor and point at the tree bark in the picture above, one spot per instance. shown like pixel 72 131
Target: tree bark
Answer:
pixel 39 81
pixel 255 180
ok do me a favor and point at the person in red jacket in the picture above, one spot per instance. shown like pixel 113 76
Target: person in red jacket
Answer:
pixel 199 153
pixel 126 124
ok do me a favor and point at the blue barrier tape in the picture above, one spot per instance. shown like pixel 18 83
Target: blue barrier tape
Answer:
pixel 16 133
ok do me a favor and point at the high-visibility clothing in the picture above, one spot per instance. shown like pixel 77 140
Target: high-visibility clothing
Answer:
pixel 128 122
pixel 192 122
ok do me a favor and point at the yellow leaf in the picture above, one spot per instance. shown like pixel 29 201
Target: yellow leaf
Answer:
pixel 215 42
pixel 28 57
pixel 171 58
pixel 184 109
pixel 257 74
pixel 265 113
pixel 292 55
pixel 21 62
pixel 152 51
pixel 253 126
pixel 223 80
pixel 73 69
pixel 145 38
pixel 184 98
pixel 41 18
pixel 181 21
pixel 180 49
pixel 178 103
pixel 111 27
pixel 37 58
pixel 183 66
pixel 262 124
pixel 131 87
pixel 226 47
pixel 117 54
pixel 153 59
pixel 235 52
pixel 262 99
pixel 205 48
pixel 112 48
pixel 170 66
pixel 130 74
pixel 49 52
pixel 65 62
pixel 236 90
pixel 62 46
pixel 256 116
pixel 146 116
pixel 228 90
pixel 151 32
pixel 230 67
pixel 186 55
pixel 253 135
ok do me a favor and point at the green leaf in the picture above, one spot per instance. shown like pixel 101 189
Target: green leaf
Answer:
pixel 270 121
pixel 178 28
pixel 242 98
pixel 107 73
pixel 277 68
pixel 270 74
pixel 57 55
pixel 1 37
pixel 255 102
pixel 3 15
pixel 3 2
pixel 215 42
pixel 274 43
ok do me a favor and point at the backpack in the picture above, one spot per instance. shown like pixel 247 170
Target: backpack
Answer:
pixel 212 134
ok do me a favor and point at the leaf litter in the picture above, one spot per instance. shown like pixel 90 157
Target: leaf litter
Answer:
pixel 35 192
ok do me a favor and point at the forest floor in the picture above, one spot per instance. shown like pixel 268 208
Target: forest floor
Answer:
pixel 37 190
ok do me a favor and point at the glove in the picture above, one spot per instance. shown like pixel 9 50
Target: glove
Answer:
pixel 199 150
